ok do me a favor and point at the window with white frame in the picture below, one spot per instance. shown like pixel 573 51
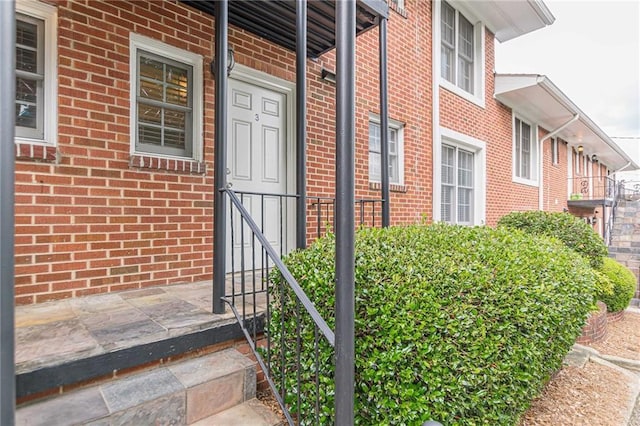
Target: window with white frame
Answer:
pixel 555 153
pixel 585 159
pixel 457 185
pixel 459 51
pixel 396 157
pixel 524 150
pixel 166 99
pixel 36 95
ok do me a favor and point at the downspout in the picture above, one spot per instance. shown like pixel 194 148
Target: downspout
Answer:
pixel 7 215
pixel 435 115
pixel 541 162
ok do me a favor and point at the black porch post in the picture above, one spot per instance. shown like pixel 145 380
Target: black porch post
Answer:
pixel 7 159
pixel 384 125
pixel 301 123
pixel 345 209
pixel 219 180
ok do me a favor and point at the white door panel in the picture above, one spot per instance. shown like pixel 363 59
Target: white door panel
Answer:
pixel 256 159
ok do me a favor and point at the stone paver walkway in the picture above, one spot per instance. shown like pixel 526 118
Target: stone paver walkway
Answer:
pixel 52 333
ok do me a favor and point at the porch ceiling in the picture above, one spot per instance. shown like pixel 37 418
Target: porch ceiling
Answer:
pixel 537 99
pixel 276 20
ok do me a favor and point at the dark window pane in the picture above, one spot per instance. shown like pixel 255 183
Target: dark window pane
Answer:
pixel 26 34
pixel 151 90
pixel 174 139
pixel 175 119
pixel 26 90
pixel 151 69
pixel 26 60
pixel 177 96
pixel 177 76
pixel 26 115
pixel 149 114
pixel 149 135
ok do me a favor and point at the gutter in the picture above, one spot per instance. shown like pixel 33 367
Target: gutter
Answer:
pixel 542 11
pixel 541 162
pixel 554 91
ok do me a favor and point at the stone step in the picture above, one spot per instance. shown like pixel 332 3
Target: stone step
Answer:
pixel 250 413
pixel 184 392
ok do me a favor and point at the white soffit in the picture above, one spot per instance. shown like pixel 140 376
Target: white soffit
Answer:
pixel 536 98
pixel 508 19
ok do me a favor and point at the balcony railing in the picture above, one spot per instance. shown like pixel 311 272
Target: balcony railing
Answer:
pixel 629 190
pixel 592 188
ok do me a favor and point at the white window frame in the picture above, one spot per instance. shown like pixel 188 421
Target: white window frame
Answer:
pixel 478 147
pixel 49 15
pixel 399 129
pixel 139 42
pixel 555 151
pixel 533 161
pixel 399 4
pixel 478 94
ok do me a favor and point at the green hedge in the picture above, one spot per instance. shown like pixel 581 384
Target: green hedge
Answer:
pixel 572 231
pixel 456 324
pixel 623 284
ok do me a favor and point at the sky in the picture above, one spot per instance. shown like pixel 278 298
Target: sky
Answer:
pixel 592 54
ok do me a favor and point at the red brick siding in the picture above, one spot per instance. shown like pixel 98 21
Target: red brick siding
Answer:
pixel 555 177
pixel 90 223
pixel 93 220
pixel 595 329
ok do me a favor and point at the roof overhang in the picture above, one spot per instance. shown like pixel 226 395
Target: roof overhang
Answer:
pixel 537 99
pixel 276 20
pixel 508 19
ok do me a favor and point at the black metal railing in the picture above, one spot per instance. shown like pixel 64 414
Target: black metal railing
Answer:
pixel 288 336
pixel 592 188
pixel 629 190
pixel 610 220
pixel 321 215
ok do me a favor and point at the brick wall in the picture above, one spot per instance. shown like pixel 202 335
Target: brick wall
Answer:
pixel 595 329
pixel 555 176
pixel 91 218
pixel 90 222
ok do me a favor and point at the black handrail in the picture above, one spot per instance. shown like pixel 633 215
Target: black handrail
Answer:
pixel 279 349
pixel 286 275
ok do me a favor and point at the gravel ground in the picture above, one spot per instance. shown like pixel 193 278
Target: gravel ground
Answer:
pixel 595 394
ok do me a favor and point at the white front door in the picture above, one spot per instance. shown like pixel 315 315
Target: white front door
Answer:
pixel 256 163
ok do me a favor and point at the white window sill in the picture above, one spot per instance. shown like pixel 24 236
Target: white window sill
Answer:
pixel 527 182
pixel 393 187
pixel 173 164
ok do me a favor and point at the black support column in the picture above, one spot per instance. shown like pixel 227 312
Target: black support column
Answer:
pixel 345 209
pixel 219 180
pixel 301 123
pixel 7 164
pixel 384 125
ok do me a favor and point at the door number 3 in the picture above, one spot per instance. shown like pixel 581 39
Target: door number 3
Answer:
pixel 257 117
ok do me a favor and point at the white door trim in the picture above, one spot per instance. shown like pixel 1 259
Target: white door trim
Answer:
pixel 286 88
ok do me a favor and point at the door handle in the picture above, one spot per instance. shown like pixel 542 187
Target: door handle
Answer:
pixel 229 185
